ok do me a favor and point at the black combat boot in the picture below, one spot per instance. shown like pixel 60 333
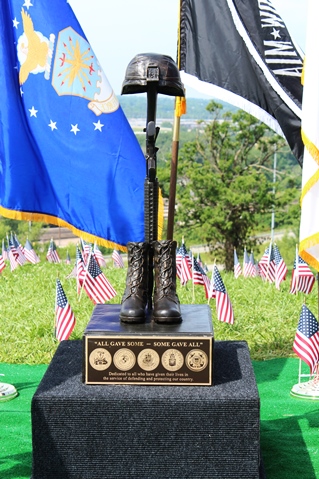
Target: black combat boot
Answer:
pixel 166 307
pixel 135 296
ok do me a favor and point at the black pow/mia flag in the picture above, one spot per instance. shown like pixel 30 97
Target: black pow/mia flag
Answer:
pixel 241 51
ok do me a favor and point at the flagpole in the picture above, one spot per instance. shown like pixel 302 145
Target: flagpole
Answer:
pixel 297 270
pixel 193 300
pixel 179 110
pixel 269 257
pixel 211 283
pixel 274 191
pixel 56 302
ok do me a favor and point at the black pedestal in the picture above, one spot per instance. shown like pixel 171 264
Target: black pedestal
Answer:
pixel 130 432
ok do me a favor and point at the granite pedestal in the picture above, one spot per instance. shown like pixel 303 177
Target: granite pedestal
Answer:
pixel 83 431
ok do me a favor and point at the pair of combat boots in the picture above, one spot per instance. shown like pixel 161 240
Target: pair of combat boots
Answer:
pixel 139 283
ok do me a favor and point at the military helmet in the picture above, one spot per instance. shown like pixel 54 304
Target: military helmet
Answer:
pixel 152 67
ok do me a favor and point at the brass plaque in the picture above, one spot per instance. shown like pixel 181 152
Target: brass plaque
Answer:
pixel 116 359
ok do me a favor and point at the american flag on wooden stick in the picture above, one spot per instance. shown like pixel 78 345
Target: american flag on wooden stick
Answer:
pixel 4 251
pixel 2 263
pixel 224 307
pixel 306 343
pixel 99 256
pixel 267 265
pixel 246 265
pixel 86 250
pixel 302 278
pixel 52 254
pixel 95 283
pixel 182 254
pixel 281 268
pixel 65 320
pixel 237 267
pixel 30 254
pixel 13 255
pixel 79 269
pixel 21 258
pixel 200 277
pixel 117 259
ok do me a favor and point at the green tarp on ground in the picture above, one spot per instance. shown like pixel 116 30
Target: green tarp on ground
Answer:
pixel 289 426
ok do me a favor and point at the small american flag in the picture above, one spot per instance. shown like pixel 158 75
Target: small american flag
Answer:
pixel 302 277
pixel 2 263
pixel 281 268
pixel 86 250
pixel 117 259
pixel 79 269
pixel 267 265
pixel 306 343
pixel 246 265
pixel 181 254
pixel 52 254
pixel 65 320
pixel 200 277
pixel 21 258
pixel 223 305
pixel 4 251
pixel 96 285
pixel 30 254
pixel 13 255
pixel 237 267
pixel 99 256
pixel 185 269
pixel 252 266
pixel 68 258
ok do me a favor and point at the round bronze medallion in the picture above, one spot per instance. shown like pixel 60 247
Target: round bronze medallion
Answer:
pixel 148 359
pixel 124 359
pixel 100 359
pixel 196 360
pixel 172 359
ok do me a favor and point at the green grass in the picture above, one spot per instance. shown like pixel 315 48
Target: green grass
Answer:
pixel 264 317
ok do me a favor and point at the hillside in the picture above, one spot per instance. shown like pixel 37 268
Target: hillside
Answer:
pixel 135 106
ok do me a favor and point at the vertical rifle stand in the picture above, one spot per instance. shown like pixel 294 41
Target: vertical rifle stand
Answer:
pixel 152 74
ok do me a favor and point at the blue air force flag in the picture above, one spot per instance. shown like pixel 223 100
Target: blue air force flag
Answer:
pixel 67 153
pixel 241 52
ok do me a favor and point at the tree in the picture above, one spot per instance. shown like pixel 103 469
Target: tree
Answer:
pixel 224 181
pixel 23 229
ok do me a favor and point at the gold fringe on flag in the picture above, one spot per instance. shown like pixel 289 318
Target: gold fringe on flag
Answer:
pixel 20 215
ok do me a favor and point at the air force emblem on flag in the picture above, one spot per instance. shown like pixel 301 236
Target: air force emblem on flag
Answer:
pixel 76 70
pixel 34 50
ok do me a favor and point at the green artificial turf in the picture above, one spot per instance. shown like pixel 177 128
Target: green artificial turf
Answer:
pixel 15 422
pixel 289 426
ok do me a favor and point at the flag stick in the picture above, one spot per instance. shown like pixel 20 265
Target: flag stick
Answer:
pixel 193 300
pixel 274 191
pixel 296 270
pixel 179 110
pixel 267 274
pixel 173 176
pixel 56 302
pixel 211 287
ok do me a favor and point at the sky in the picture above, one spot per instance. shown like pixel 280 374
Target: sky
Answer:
pixel 120 29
